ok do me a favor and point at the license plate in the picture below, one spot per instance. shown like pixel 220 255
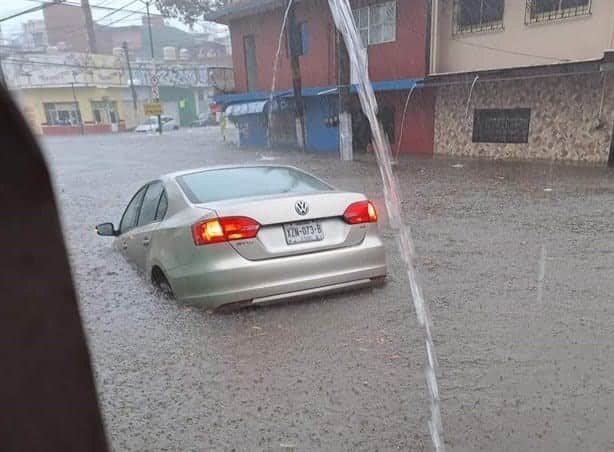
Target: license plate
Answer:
pixel 306 231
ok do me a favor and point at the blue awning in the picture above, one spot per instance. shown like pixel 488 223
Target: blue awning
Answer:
pixel 246 108
pixel 262 96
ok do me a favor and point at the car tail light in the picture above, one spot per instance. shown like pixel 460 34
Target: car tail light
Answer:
pixel 224 229
pixel 360 212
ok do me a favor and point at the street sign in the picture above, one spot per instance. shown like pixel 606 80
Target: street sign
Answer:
pixel 155 90
pixel 153 109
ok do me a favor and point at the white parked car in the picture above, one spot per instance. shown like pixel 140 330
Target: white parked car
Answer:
pixel 150 125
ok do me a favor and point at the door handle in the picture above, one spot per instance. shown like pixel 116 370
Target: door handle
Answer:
pixel 146 241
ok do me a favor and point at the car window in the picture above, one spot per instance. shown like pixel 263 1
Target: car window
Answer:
pixel 150 203
pixel 162 206
pixel 230 183
pixel 131 213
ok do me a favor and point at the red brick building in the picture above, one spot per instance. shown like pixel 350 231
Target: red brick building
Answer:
pixel 396 35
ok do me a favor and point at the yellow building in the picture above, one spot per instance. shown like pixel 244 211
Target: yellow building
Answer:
pixel 63 94
pixel 60 110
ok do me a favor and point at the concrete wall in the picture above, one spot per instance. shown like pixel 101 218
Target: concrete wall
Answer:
pixel 564 113
pixel 401 59
pixel 519 44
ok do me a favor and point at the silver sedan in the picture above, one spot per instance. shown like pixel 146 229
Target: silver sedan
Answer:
pixel 246 235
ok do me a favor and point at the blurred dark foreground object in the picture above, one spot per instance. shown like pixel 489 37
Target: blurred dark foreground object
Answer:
pixel 47 394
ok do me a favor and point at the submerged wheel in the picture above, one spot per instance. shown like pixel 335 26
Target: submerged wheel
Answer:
pixel 161 283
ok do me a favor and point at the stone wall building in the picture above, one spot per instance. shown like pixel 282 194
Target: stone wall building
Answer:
pixel 533 80
pixel 562 117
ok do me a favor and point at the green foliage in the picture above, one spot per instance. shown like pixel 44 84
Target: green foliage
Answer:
pixel 188 11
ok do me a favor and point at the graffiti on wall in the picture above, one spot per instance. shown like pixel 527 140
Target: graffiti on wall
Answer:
pixel 181 76
pixel 63 69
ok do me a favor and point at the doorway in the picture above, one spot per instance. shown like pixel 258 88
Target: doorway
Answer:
pixel 251 66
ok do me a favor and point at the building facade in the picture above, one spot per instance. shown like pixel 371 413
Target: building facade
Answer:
pixel 64 94
pixel 395 36
pixel 79 93
pixel 523 79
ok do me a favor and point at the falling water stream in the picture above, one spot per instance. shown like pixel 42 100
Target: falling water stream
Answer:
pixel 344 22
pixel 475 80
pixel 411 91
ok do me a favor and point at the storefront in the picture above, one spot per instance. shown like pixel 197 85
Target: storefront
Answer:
pixel 411 132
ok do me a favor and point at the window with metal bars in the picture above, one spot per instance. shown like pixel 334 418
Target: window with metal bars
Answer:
pixel 551 10
pixel 471 16
pixel 501 125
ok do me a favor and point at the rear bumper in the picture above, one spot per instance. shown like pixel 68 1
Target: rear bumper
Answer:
pixel 230 278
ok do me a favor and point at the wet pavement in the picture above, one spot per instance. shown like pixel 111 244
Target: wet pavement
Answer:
pixel 526 362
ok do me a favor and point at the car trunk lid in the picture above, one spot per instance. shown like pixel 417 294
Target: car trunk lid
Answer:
pixel 293 224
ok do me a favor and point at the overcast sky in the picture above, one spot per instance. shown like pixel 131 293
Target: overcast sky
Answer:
pixel 8 7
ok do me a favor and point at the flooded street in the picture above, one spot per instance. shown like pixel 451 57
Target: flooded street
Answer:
pixel 515 260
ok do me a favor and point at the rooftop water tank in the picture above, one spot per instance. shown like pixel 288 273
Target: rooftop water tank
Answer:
pixel 184 54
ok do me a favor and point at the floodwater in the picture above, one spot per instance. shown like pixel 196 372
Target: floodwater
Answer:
pixel 346 372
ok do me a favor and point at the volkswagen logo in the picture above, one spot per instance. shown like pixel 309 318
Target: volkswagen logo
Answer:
pixel 301 207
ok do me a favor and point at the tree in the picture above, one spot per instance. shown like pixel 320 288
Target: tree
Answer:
pixel 188 11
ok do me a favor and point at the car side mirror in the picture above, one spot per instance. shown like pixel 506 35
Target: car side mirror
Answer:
pixel 106 229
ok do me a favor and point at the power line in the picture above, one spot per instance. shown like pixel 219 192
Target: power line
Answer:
pixel 56 64
pixel 43 5
pixel 123 18
pixel 98 6
pixel 105 2
pixel 79 29
pixel 70 31
pixel 121 8
pixel 139 65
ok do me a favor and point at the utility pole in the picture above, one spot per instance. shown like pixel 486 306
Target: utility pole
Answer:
pixel 132 88
pixel 89 26
pixel 153 60
pixel 74 96
pixel 346 151
pixel 294 37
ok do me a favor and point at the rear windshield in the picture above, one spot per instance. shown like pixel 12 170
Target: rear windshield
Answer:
pixel 231 183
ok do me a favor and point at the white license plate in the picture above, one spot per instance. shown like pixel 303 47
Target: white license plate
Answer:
pixel 306 231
